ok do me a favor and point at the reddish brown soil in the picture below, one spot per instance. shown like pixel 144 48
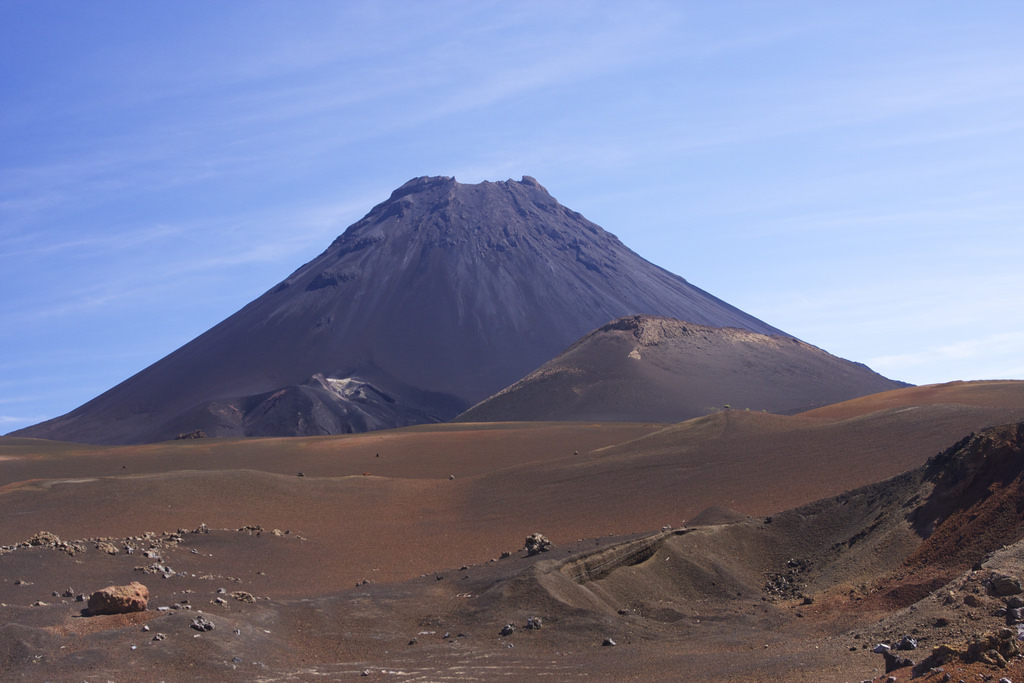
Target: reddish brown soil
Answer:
pixel 382 510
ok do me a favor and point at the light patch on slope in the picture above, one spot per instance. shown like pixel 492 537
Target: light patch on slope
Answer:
pixel 346 387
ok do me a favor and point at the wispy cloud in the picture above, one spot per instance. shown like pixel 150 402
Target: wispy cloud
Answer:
pixel 242 240
pixel 995 356
pixel 12 422
pixel 126 239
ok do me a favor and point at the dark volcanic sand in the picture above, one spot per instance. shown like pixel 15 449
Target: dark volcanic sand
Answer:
pixel 691 610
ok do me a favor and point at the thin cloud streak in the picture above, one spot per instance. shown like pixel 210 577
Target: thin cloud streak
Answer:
pixel 11 420
pixel 245 240
pixel 995 356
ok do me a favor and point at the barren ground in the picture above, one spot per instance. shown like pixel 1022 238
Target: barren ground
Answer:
pixel 365 556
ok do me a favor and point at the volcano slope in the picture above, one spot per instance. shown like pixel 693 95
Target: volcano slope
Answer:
pixel 643 367
pixel 352 566
pixel 440 296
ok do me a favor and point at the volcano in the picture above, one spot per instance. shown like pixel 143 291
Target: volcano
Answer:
pixel 649 369
pixel 439 297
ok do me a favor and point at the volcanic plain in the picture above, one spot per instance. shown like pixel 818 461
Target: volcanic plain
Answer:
pixel 736 546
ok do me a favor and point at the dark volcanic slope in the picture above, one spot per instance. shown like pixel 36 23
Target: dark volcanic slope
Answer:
pixel 663 370
pixel 439 297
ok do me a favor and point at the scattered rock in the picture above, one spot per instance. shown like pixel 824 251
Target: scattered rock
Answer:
pixel 201 623
pixel 157 568
pixel 108 548
pixel 194 434
pixel 508 629
pixel 608 642
pixel 907 643
pixel 1005 585
pixel 537 543
pixel 788 583
pixel 242 596
pixel 119 599
pixel 994 648
pixel 941 654
pixel 44 538
pixel 534 623
pixel 894 661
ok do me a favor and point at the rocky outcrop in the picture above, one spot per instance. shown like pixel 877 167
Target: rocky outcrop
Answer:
pixel 537 543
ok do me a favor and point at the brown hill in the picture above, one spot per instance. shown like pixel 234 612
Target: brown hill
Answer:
pixel 665 370
pixel 437 298
pixel 382 507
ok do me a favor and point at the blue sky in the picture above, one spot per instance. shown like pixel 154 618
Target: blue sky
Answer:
pixel 852 173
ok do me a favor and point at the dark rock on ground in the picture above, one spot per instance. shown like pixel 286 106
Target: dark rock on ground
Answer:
pixel 894 661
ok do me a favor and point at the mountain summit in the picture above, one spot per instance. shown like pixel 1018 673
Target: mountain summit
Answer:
pixel 439 297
